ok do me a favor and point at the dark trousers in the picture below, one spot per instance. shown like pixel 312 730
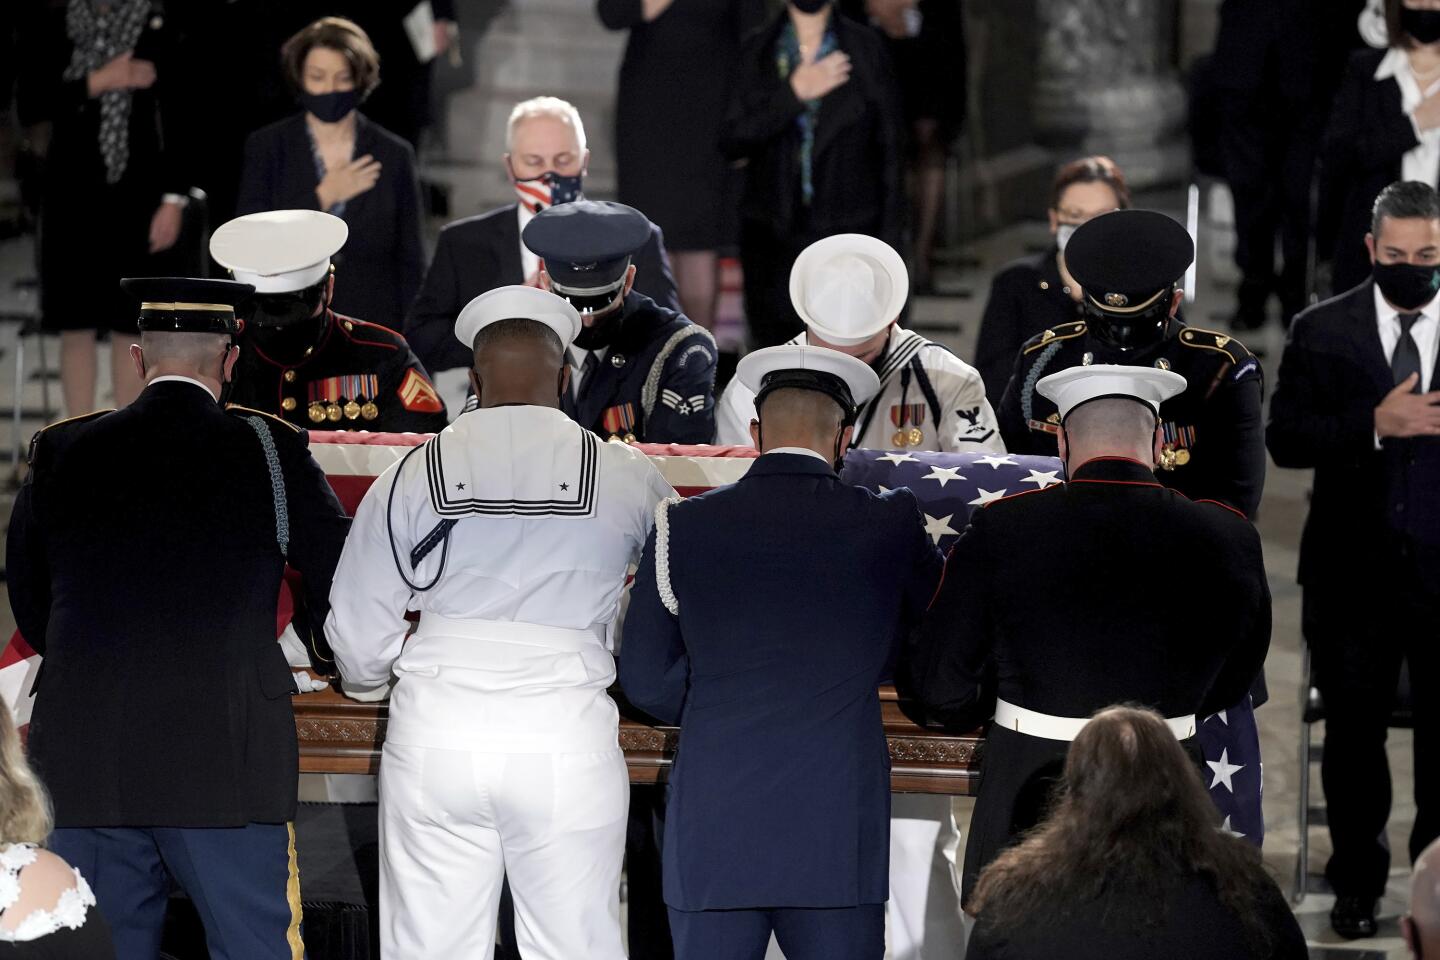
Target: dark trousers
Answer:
pixel 838 933
pixel 1268 148
pixel 646 921
pixel 243 881
pixel 1356 650
pixel 765 260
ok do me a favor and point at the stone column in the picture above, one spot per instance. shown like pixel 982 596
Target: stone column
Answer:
pixel 532 47
pixel 1106 84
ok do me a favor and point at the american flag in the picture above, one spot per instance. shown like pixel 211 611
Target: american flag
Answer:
pixel 948 486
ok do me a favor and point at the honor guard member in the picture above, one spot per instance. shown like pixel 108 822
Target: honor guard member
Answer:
pixel 779 807
pixel 1129 263
pixel 639 372
pixel 512 532
pixel 162 725
pixel 849 289
pixel 1104 629
pixel 302 361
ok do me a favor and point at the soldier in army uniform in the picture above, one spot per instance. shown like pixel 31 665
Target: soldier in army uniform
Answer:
pixel 302 361
pixel 1129 263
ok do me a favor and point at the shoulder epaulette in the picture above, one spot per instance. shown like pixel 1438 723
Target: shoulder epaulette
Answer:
pixel 1213 340
pixel 240 411
pixel 1063 331
pixel 67 422
pixel 383 336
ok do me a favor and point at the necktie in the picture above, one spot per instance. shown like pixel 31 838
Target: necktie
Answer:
pixel 1406 358
pixel 586 368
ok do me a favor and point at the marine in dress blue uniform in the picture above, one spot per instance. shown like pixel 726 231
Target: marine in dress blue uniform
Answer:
pixel 779 805
pixel 640 372
pixel 145 556
pixel 299 359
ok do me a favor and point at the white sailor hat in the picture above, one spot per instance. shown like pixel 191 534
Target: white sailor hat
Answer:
pixel 847 380
pixel 279 251
pixel 522 303
pixel 849 287
pixel 1076 385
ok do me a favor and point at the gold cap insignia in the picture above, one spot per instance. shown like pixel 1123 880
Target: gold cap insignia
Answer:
pixel 1116 299
pixel 1162 364
pixel 1087 359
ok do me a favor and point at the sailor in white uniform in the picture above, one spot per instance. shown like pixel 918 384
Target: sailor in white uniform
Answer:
pixel 511 532
pixel 849 289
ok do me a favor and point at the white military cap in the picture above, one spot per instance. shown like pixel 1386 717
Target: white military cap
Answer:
pixel 522 303
pixel 279 251
pixel 848 287
pixel 849 381
pixel 1071 387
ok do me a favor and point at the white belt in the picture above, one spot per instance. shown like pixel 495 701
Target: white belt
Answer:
pixel 509 631
pixel 1034 724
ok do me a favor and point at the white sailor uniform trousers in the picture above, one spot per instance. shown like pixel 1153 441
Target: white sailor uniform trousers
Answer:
pixel 501 754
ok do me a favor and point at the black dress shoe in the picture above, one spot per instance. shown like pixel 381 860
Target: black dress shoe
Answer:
pixel 1354 917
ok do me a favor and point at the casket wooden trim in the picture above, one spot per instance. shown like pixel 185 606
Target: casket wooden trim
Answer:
pixel 340 735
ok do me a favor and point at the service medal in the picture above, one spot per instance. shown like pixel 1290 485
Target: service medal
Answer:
pixel 369 411
pixel 915 436
pixel 317 412
pixel 898 439
pixel 352 411
pixel 1182 457
pixel 1168 457
pixel 333 412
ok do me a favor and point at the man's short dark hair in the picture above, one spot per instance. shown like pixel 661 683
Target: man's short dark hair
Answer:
pixel 518 328
pixel 1405 200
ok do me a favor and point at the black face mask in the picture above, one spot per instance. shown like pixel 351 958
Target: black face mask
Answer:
pixel 603 332
pixel 330 107
pixel 1422 25
pixel 1133 331
pixel 810 6
pixel 271 310
pixel 1408 286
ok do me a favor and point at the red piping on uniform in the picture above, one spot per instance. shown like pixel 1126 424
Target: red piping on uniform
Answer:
pixel 1237 512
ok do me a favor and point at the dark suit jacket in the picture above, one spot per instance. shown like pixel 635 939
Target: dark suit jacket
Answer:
pixel 780 794
pixel 1027 297
pixel 481 253
pixel 378 270
pixel 1367 504
pixel 143 564
pixel 857 153
pixel 1364 144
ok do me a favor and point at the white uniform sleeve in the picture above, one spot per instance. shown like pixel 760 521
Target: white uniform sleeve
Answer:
pixel 368 598
pixel 733 414
pixel 967 422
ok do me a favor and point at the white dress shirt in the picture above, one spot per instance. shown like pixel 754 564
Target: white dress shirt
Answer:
pixel 1424 331
pixel 1423 162
pixel 512 651
pixel 175 377
pixel 529 262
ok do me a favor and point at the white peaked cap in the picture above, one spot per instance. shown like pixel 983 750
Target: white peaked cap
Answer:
pixel 1071 387
pixel 279 251
pixel 849 287
pixel 856 375
pixel 518 302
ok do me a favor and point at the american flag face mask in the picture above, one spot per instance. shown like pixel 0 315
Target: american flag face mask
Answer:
pixel 547 190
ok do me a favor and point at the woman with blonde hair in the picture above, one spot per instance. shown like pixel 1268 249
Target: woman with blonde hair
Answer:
pixel 1131 864
pixel 45 904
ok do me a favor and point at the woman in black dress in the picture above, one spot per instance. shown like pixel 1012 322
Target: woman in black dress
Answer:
pixel 816 115
pixel 329 157
pixel 674 86
pixel 1131 865
pixel 1037 293
pixel 112 195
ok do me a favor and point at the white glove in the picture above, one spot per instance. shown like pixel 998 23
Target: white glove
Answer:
pixel 304 683
pixel 363 693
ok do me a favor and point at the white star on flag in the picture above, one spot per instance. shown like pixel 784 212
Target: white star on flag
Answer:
pixel 943 475
pixel 883 488
pixel 939 528
pixel 1230 830
pixel 1223 715
pixel 997 462
pixel 898 458
pixel 1224 770
pixel 1041 480
pixel 986 496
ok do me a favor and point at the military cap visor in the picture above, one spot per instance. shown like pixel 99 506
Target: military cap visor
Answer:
pixel 518 302
pixel 1126 260
pixel 185 304
pixel 848 381
pixel 587 245
pixel 1072 388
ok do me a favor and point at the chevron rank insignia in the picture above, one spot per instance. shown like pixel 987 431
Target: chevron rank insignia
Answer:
pixel 682 405
pixel 417 395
